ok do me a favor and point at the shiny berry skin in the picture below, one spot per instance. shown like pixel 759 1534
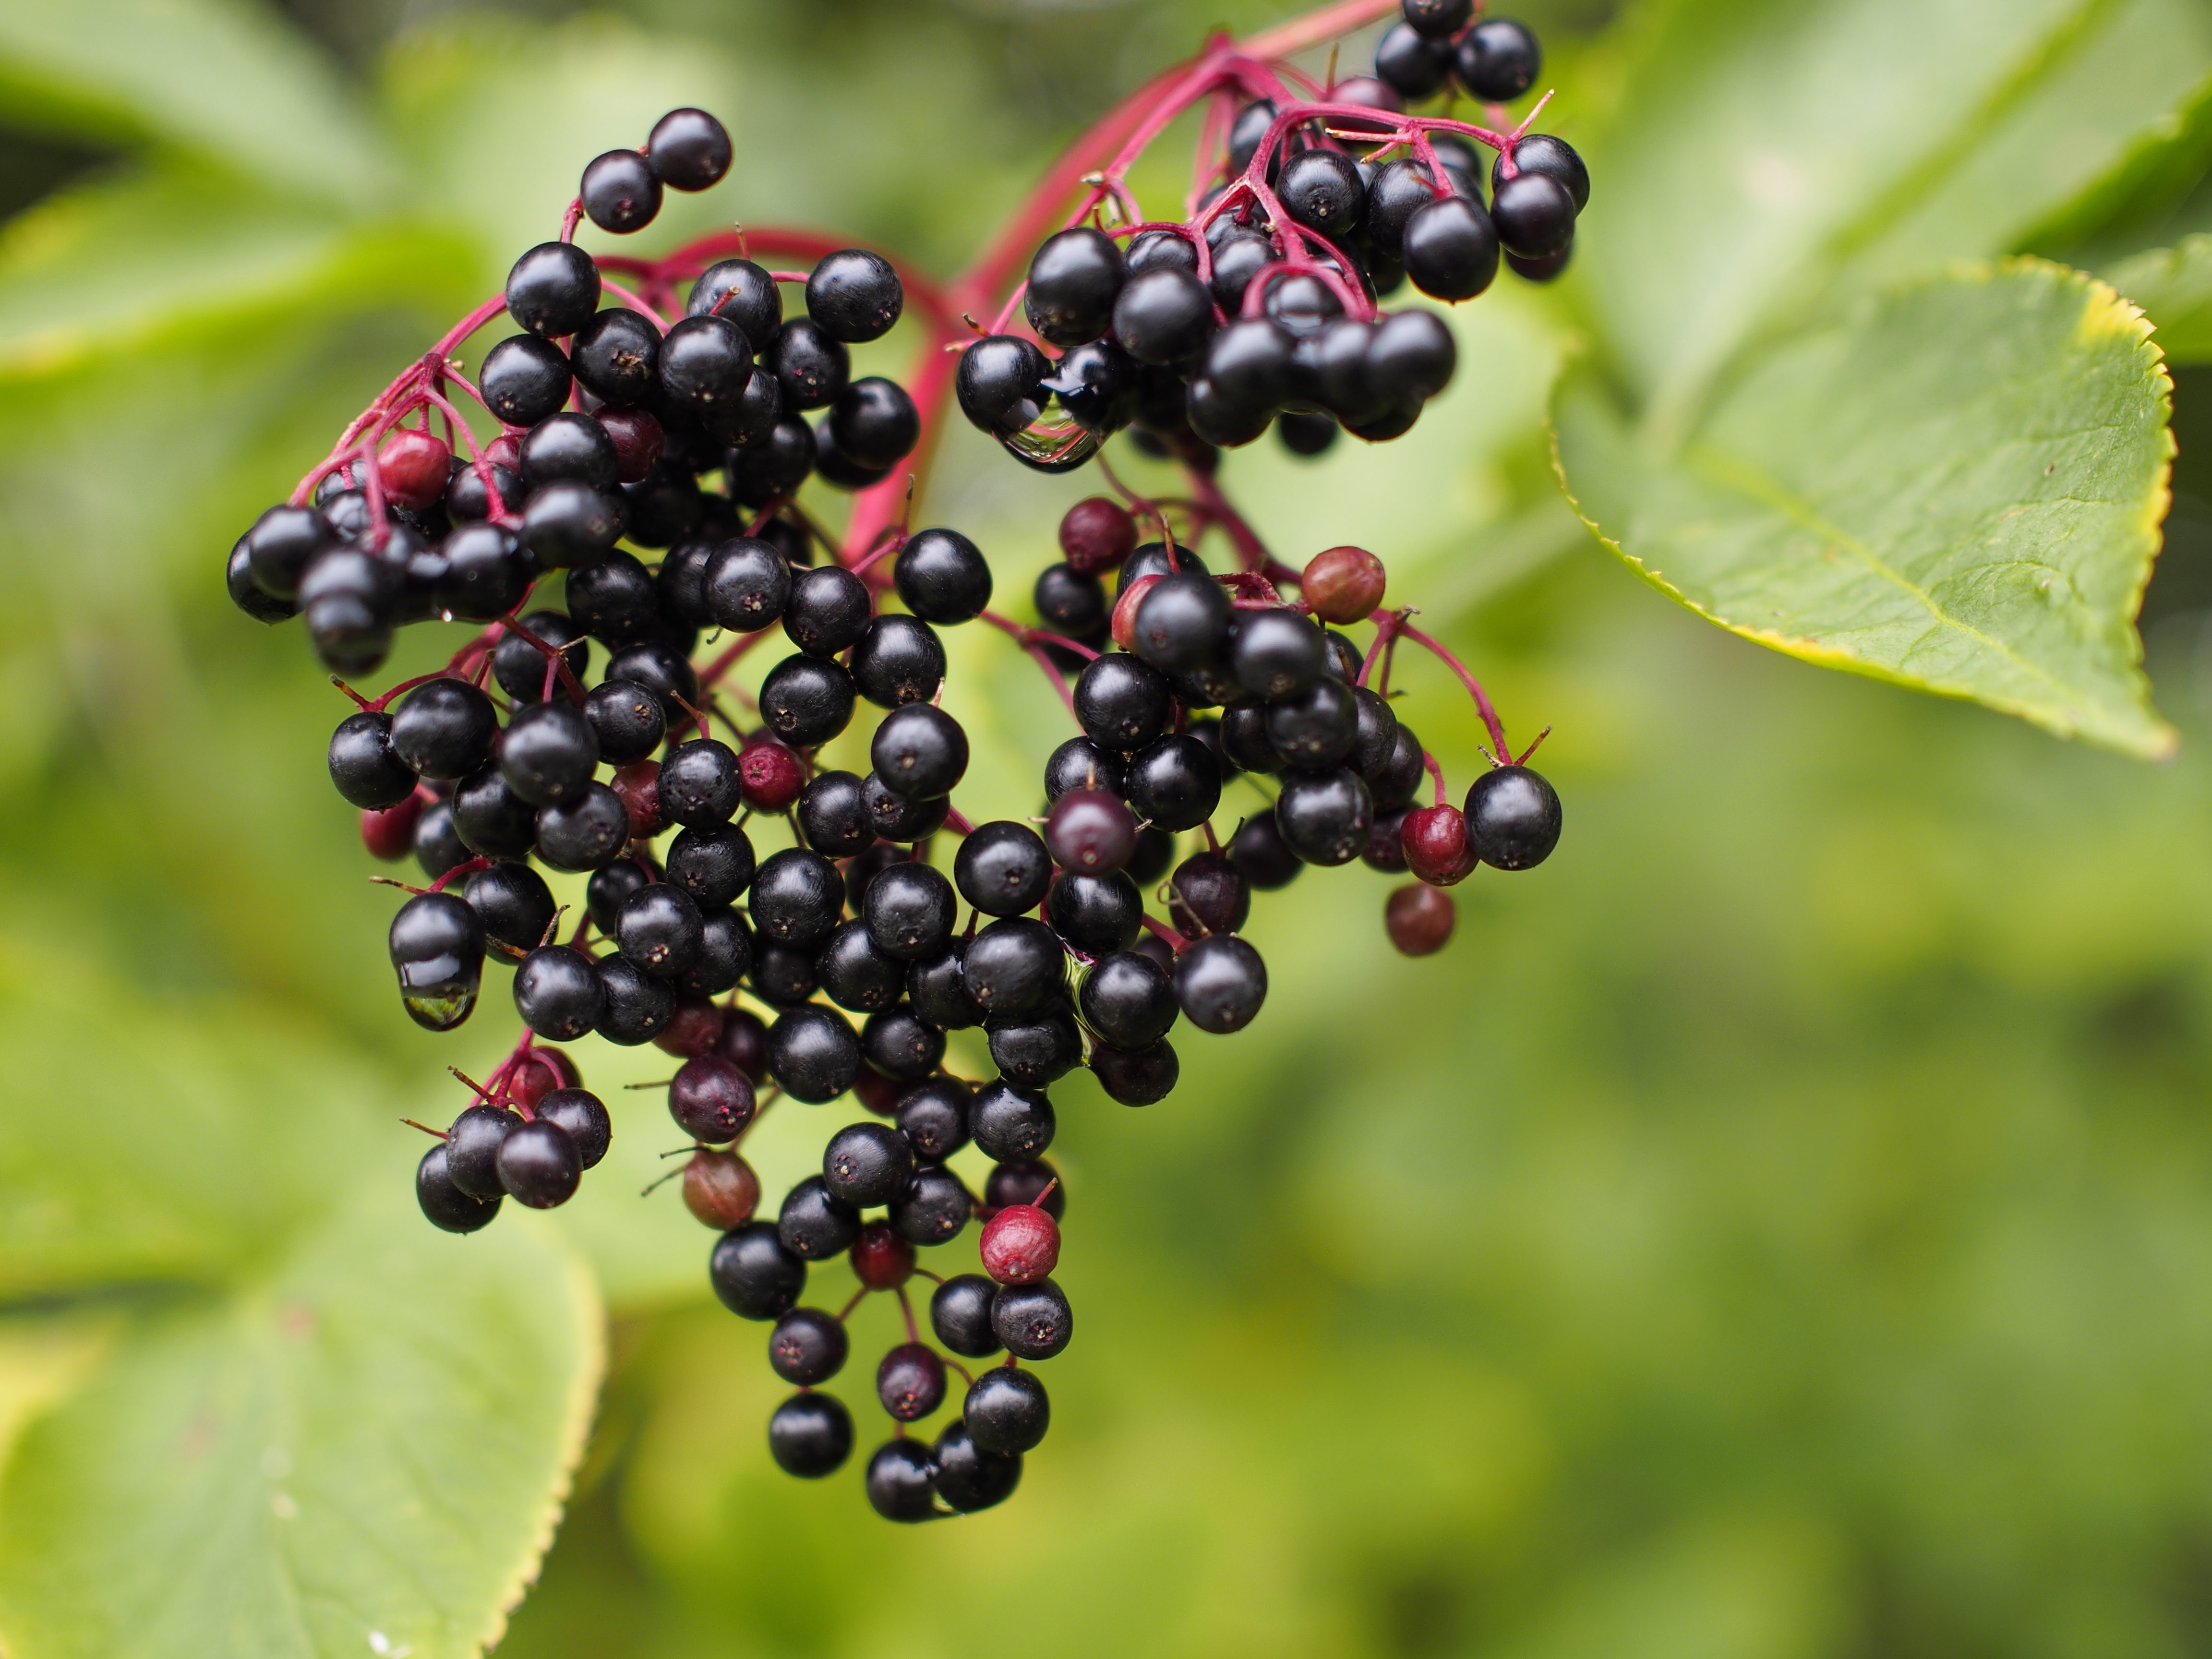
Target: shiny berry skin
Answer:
pixel 813 1054
pixel 797 896
pixel 689 149
pixel 1181 622
pixel 910 1381
pixel 1089 831
pixel 1010 1123
pixel 1498 60
pixel 365 768
pixel 1020 1245
pixel 943 577
pixel 519 666
pixel 807 1346
pixel 445 1206
pixel 712 862
pixel 725 954
pixel 583 1117
pixel 856 975
pixel 1003 868
pixel 833 815
pixel 515 906
pixel 813 1225
pixel 1418 919
pixel 998 383
pixel 960 1316
pixel 1344 585
pixel 1096 534
pixel 1539 152
pixel 899 1482
pixel 866 1165
pixel 897 818
pixel 898 659
pixel 1032 1321
pixel 910 909
pixel 1535 216
pixel 902 1045
pixel 444 729
pixel 569 523
pixel 583 834
pixel 810 1435
pixel 1122 704
pixel 1208 894
pixel 1073 280
pixel 1322 190
pixel 626 720
pixel 774 465
pixel 1128 1001
pixel 1164 317
pixel 873 424
pixel 1436 20
pixel 1174 784
pixel 812 367
pixel 524 379
pixel 968 1478
pixel 770 775
pixel 553 289
pixel 1006 1410
pixel 854 296
pixel 919 752
pixel 638 1006
pixel 436 946
pixel 1026 1181
pixel 828 611
pixel 1136 1077
pixel 1411 356
pixel 1037 1048
pixel 557 994
pixel 1220 982
pixel 548 752
pixel 1013 966
pixel 1079 763
pixel 616 358
pixel 1096 913
pixel 1069 603
pixel 711 1099
pixel 1275 653
pixel 934 1206
pixel 1513 818
pixel 932 1115
pixel 1450 248
pixel 806 701
pixel 539 1165
pixel 1324 816
pixel 472 1144
pixel 1435 844
pixel 746 585
pixel 620 191
pixel 755 1276
pixel 720 1189
pixel 1410 63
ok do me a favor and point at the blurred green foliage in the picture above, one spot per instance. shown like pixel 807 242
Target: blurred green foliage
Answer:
pixel 1781 1226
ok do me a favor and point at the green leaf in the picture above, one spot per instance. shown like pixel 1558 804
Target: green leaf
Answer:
pixel 365 1454
pixel 224 78
pixel 2173 285
pixel 1959 489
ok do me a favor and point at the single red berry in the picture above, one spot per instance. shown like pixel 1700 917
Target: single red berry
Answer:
pixel 1020 1245
pixel 637 440
pixel 743 1042
pixel 1090 832
pixel 910 1383
pixel 1419 919
pixel 694 1031
pixel 1124 610
pixel 1096 534
pixel 414 468
pixel 720 1188
pixel 879 1094
pixel 390 835
pixel 542 1072
pixel 1437 850
pixel 881 1259
pixel 637 787
pixel 506 450
pixel 770 776
pixel 1344 585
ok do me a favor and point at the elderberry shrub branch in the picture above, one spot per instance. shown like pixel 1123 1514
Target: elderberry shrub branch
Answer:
pixel 1260 307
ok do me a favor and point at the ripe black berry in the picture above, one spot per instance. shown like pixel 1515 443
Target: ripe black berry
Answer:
pixel 548 752
pixel 1499 59
pixel 658 929
pixel 444 728
pixel 609 886
pixel 900 1044
pixel 1324 816
pixel 898 818
pixel 855 294
pixel 1009 1122
pixel 1070 604
pixel 1096 913
pixel 1220 982
pixel 1321 189
pixel 585 833
pixel 866 1165
pixel 1208 895
pixel 856 975
pixel 813 1224
pixel 797 895
pixel 714 863
pixel 621 192
pixel 811 367
pixel 807 700
pixel 999 383
pixel 539 1165
pixel 772 467
pixel 1013 966
pixel 873 424
pixel 899 1486
pixel 553 289
pixel 1513 818
pixel 960 1314
pixel 617 357
pixel 1535 215
pixel 919 751
pixel 968 1478
pixel 1410 63
pixel 1164 317
pixel 1450 248
pixel 1079 763
pixel 725 954
pixel 1174 783
pixel 828 611
pixel 525 379
pixel 833 815
pixel 1033 1182
pixel 569 523
pixel 1274 652
pixel 490 818
pixel 813 1054
pixel 699 782
pixel 446 1205
pixel 689 149
pixel 1247 131
pixel 1136 1077
pixel 638 1006
pixel 472 1144
pixel 1539 152
pixel 1073 281
pixel 745 585
pixel 898 659
pixel 1037 1048
pixel 515 906
pixel 910 909
pixel 583 1116
pixel 558 993
pixel 743 292
pixel 1006 1410
pixel 663 671
pixel 943 577
pixel 754 1275
pixel 810 1435
pixel 807 1346
pixel 1182 620
pixel 1121 702
pixel 627 719
pixel 940 995
pixel 1128 1001
pixel 1032 1321
pixel 1316 727
pixel 910 1381
pixel 436 946
pixel 364 766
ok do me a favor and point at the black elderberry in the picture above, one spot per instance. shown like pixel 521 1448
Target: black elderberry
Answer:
pixel 711 1099
pixel 900 1044
pixel 873 424
pixel 898 1481
pixel 813 1054
pixel 1410 63
pixel 1513 818
pixel 519 666
pixel 1038 1048
pixel 1157 559
pixel 548 752
pixel 1208 895
pixel 608 888
pixel 538 1165
pixel 585 833
pixel 1217 421
pixel 833 814
pixel 854 296
pixel 1315 728
pixel 437 945
pixel 689 149
pixel 960 1316
pixel 1079 763
pixel 1498 59
pixel 783 975
pixel 1174 783
pixel 1156 248
pixel 1302 302
pixel 1376 744
pixel 827 611
pixel 1436 20
pixel 1136 1077
pixel 699 782
pixel 901 817
pixel 866 1165
pixel 919 751
pixel 1155 852
pixel 1249 367
pixel 743 292
pixel 1535 215
pixel 705 365
pixel 246 593
pixel 755 1276
pixel 897 660
pixel 910 910
pixel 712 862
pixel 487 572
pixel 1122 702
pixel 553 289
pixel 810 366
pixel 1411 357
pixel 856 975
pixel 621 192
pixel 943 577
pixel 472 1144
pixel 1247 131
pixel 1450 248
pixel 1098 384
pixel 1182 621
pixel 1238 263
pixel 724 953
pixel 968 1478
pixel 515 906
pixel 662 670
pixel 626 720
pixel 1013 966
pixel 1072 282
pixel 743 428
pixel 658 929
pixel 1164 317
pixel 932 1115
pixel 438 846
pixel 524 380
pixel 1010 1122
pixel 1275 653
pixel 1032 1321
pixel 797 895
pixel 364 766
pixel 1070 604
pixel 813 1224
pixel 1540 152
pixel 638 1006
pixel 1322 190
pixel 350 599
pixel 1128 1000
pixel 490 818
pixel 810 1435
pixel 1324 816
pixel 807 700
pixel 444 1204
pixel 999 383
pixel 569 523
pixel 283 542
pixel 1220 982
pixel 746 585
pixel 910 1381
pixel 1006 1410
pixel 1026 1181
pixel 582 1116
pixel 938 994
pixel 1096 913
pixel 838 470
pixel 444 728
pixel 807 1346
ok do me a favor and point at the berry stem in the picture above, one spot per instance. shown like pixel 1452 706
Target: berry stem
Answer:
pixel 1436 772
pixel 1173 940
pixel 1497 728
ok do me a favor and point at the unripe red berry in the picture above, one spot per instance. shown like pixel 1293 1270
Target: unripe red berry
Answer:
pixel 694 1030
pixel 413 467
pixel 390 835
pixel 506 450
pixel 637 787
pixel 720 1188
pixel 1125 612
pixel 1020 1245
pixel 1096 534
pixel 1344 585
pixel 1437 850
pixel 637 440
pixel 879 1093
pixel 1090 832
pixel 770 776
pixel 1419 919
pixel 542 1070
pixel 881 1259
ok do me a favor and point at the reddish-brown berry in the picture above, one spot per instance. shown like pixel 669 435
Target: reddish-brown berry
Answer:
pixel 1419 919
pixel 694 1031
pixel 637 440
pixel 1437 850
pixel 1125 612
pixel 770 776
pixel 720 1188
pixel 881 1259
pixel 390 835
pixel 1020 1245
pixel 542 1072
pixel 879 1093
pixel 1090 832
pixel 414 468
pixel 1344 585
pixel 637 787
pixel 1096 534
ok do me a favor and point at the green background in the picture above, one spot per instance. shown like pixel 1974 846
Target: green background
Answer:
pixel 1781 1226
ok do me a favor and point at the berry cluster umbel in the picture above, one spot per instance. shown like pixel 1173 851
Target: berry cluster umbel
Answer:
pixel 586 738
